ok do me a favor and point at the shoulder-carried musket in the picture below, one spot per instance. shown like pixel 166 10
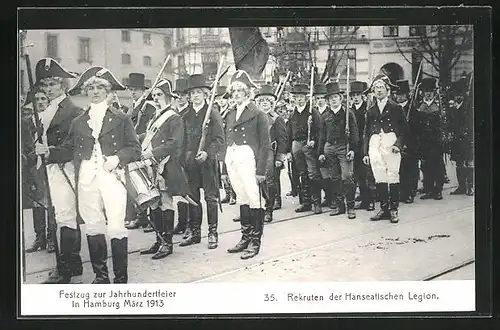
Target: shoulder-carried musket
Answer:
pixel 311 93
pixel 415 91
pixel 347 131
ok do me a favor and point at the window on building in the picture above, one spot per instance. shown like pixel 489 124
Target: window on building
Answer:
pixel 126 59
pixel 181 64
pixel 167 41
pixel 210 62
pixel 391 31
pixel 52 46
pixel 146 60
pixel 84 51
pixel 125 81
pixel 179 36
pixel 417 30
pixel 146 37
pixel 147 83
pixel 125 36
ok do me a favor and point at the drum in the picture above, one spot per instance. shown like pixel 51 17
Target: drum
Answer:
pixel 141 188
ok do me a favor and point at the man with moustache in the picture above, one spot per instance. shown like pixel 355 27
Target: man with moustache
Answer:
pixel 385 130
pixel 362 173
pixel 102 141
pixel 409 172
pixel 428 128
pixel 338 150
pixel 323 109
pixel 162 146
pixel 182 106
pixel 265 99
pixel 201 167
pixel 56 121
pixel 304 151
pixel 247 158
pixel 221 99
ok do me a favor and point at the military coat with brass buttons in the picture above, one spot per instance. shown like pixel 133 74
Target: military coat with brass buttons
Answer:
pixel 390 120
pixel 60 124
pixel 117 137
pixel 252 128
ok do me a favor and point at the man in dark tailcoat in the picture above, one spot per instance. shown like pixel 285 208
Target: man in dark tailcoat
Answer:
pixel 56 120
pixel 385 130
pixel 247 157
pixel 202 166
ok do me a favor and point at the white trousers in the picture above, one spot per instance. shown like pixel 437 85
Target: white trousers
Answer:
pixel 241 169
pixel 63 197
pixel 384 163
pixel 104 199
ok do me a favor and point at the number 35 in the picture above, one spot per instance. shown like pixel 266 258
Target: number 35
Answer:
pixel 269 297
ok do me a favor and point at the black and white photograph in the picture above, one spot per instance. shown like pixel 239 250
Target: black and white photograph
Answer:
pixel 170 162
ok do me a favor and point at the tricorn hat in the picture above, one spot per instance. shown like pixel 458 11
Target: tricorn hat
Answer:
pixel 48 67
pixel 428 84
pixel 181 85
pixel 403 87
pixel 197 81
pixel 100 72
pixel 243 77
pixel 265 90
pixel 333 88
pixel 166 86
pixel 300 89
pixel 320 89
pixel 357 87
pixel 136 80
pixel 383 78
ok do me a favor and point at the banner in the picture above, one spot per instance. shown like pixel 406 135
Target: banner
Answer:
pixel 250 50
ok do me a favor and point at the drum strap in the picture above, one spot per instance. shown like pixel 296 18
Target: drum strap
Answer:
pixel 153 128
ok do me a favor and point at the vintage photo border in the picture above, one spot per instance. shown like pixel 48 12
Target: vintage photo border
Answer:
pixel 480 18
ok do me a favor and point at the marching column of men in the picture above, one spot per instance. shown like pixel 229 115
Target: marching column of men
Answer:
pixel 334 145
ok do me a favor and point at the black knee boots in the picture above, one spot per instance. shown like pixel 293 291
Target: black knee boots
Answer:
pixel 246 229
pixel 257 224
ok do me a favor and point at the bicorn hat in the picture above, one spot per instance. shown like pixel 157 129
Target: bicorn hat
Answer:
pixel 166 86
pixel 48 67
pixel 403 87
pixel 427 84
pixel 383 78
pixel 243 77
pixel 100 72
pixel 266 90
pixel 181 85
pixel 357 87
pixel 300 89
pixel 320 89
pixel 136 80
pixel 332 88
pixel 197 81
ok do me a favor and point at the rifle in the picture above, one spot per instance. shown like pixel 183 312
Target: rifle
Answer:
pixel 348 87
pixel 279 92
pixel 148 92
pixel 311 93
pixel 415 91
pixel 50 207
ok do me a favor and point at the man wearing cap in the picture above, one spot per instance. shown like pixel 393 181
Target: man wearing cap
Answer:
pixel 303 133
pixel 56 121
pixel 181 106
pixel 337 149
pixel 265 100
pixel 409 172
pixel 323 109
pixel 462 145
pixel 102 141
pixel 385 129
pixel 221 99
pixel 247 158
pixel 362 173
pixel 162 147
pixel 202 167
pixel 428 126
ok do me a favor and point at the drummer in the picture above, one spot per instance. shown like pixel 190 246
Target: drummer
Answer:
pixel 162 147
